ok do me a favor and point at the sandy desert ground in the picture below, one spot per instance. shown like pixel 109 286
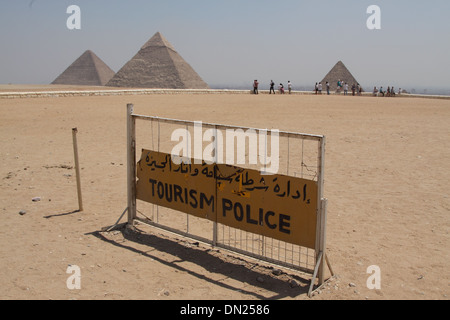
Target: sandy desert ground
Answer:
pixel 387 179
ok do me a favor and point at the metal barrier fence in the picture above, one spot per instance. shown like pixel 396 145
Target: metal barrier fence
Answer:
pixel 300 156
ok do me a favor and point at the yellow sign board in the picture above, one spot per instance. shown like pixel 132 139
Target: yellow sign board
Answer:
pixel 276 206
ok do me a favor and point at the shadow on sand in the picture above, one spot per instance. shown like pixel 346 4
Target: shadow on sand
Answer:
pixel 275 281
pixel 61 214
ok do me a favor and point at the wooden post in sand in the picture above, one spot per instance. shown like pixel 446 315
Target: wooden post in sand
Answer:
pixel 77 168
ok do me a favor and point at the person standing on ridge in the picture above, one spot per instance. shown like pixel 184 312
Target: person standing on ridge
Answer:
pixel 255 87
pixel 339 85
pixel 272 84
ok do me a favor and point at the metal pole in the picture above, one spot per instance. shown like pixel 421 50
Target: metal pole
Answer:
pixel 323 245
pixel 322 211
pixel 216 161
pixel 77 168
pixel 131 165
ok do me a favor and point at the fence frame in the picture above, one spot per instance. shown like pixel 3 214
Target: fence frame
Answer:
pixel 320 243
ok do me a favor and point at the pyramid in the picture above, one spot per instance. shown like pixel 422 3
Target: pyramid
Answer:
pixel 157 65
pixel 339 72
pixel 87 70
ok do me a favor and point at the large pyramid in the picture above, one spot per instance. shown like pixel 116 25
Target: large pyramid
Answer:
pixel 339 72
pixel 87 70
pixel 157 65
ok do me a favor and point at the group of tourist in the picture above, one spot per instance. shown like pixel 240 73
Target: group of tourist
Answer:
pixel 281 89
pixel 390 92
pixel 342 86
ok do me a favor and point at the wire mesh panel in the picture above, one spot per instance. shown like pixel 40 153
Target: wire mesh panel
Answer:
pixel 267 249
pixel 298 157
pixel 272 153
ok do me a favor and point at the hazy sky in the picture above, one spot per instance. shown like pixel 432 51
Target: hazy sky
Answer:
pixel 233 42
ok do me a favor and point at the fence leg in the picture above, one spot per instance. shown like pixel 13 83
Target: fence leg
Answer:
pixel 131 164
pixel 323 220
pixel 316 269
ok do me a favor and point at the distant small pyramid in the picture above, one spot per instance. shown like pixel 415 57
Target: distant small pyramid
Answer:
pixel 87 70
pixel 157 65
pixel 339 72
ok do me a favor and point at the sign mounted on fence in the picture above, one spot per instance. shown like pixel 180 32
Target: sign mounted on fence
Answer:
pixel 277 206
pixel 281 207
pixel 188 188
